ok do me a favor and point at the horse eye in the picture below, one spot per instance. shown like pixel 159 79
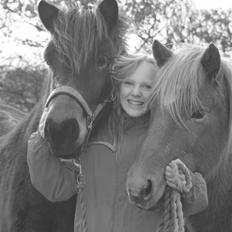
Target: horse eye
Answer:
pixel 102 61
pixel 198 114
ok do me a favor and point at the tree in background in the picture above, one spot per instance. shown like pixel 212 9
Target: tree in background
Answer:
pixel 170 21
pixel 213 25
pixel 21 87
pixel 176 21
pixel 165 20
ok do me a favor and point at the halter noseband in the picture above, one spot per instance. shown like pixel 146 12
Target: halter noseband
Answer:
pixel 71 92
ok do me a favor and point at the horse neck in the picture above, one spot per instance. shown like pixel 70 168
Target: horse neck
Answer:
pixel 13 169
pixel 215 218
pixel 19 136
pixel 220 185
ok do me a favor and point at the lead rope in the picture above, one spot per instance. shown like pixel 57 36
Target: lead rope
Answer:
pixel 80 188
pixel 82 226
pixel 173 218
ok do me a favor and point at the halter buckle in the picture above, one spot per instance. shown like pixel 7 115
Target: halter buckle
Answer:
pixel 80 181
pixel 90 120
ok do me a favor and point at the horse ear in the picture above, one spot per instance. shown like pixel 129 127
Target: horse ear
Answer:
pixel 160 53
pixel 47 14
pixel 109 11
pixel 211 60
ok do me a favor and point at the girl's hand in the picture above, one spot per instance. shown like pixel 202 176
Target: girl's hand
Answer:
pixel 36 144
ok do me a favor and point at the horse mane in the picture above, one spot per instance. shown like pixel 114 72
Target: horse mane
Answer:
pixel 78 33
pixel 9 117
pixel 10 112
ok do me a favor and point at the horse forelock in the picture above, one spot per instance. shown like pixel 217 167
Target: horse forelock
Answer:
pixel 178 83
pixel 80 34
pixel 118 34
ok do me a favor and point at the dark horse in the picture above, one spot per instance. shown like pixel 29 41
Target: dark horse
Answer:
pixel 191 120
pixel 83 45
pixel 9 117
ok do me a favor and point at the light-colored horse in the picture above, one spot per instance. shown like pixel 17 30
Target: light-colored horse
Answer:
pixel 191 120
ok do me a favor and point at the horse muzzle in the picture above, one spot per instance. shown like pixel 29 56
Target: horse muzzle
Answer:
pixel 63 123
pixel 145 190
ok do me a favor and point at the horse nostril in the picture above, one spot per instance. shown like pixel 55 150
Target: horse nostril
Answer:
pixel 146 191
pixel 60 133
pixel 141 194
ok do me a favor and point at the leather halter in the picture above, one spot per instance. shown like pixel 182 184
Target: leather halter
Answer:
pixel 71 92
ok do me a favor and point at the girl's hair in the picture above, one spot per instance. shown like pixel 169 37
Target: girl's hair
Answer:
pixel 123 66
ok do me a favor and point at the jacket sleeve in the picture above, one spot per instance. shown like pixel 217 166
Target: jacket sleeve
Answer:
pixel 196 199
pixel 54 179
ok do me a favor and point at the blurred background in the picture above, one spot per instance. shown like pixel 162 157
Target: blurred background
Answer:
pixel 23 38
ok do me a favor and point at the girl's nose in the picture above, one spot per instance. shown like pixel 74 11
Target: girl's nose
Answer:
pixel 136 91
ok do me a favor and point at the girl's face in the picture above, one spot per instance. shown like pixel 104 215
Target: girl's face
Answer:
pixel 136 89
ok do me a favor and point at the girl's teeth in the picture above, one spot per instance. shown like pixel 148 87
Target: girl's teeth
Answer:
pixel 135 102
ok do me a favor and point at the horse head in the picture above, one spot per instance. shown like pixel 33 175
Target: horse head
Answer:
pixel 83 44
pixel 190 120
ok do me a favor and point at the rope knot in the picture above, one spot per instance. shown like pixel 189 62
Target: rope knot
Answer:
pixel 179 180
pixel 178 176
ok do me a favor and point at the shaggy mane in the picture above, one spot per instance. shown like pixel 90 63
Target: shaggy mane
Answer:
pixel 78 33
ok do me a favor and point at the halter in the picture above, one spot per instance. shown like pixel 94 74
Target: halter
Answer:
pixel 74 94
pixel 71 92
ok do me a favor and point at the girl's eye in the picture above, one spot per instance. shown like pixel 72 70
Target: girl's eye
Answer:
pixel 128 83
pixel 148 87
pixel 198 114
pixel 102 61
